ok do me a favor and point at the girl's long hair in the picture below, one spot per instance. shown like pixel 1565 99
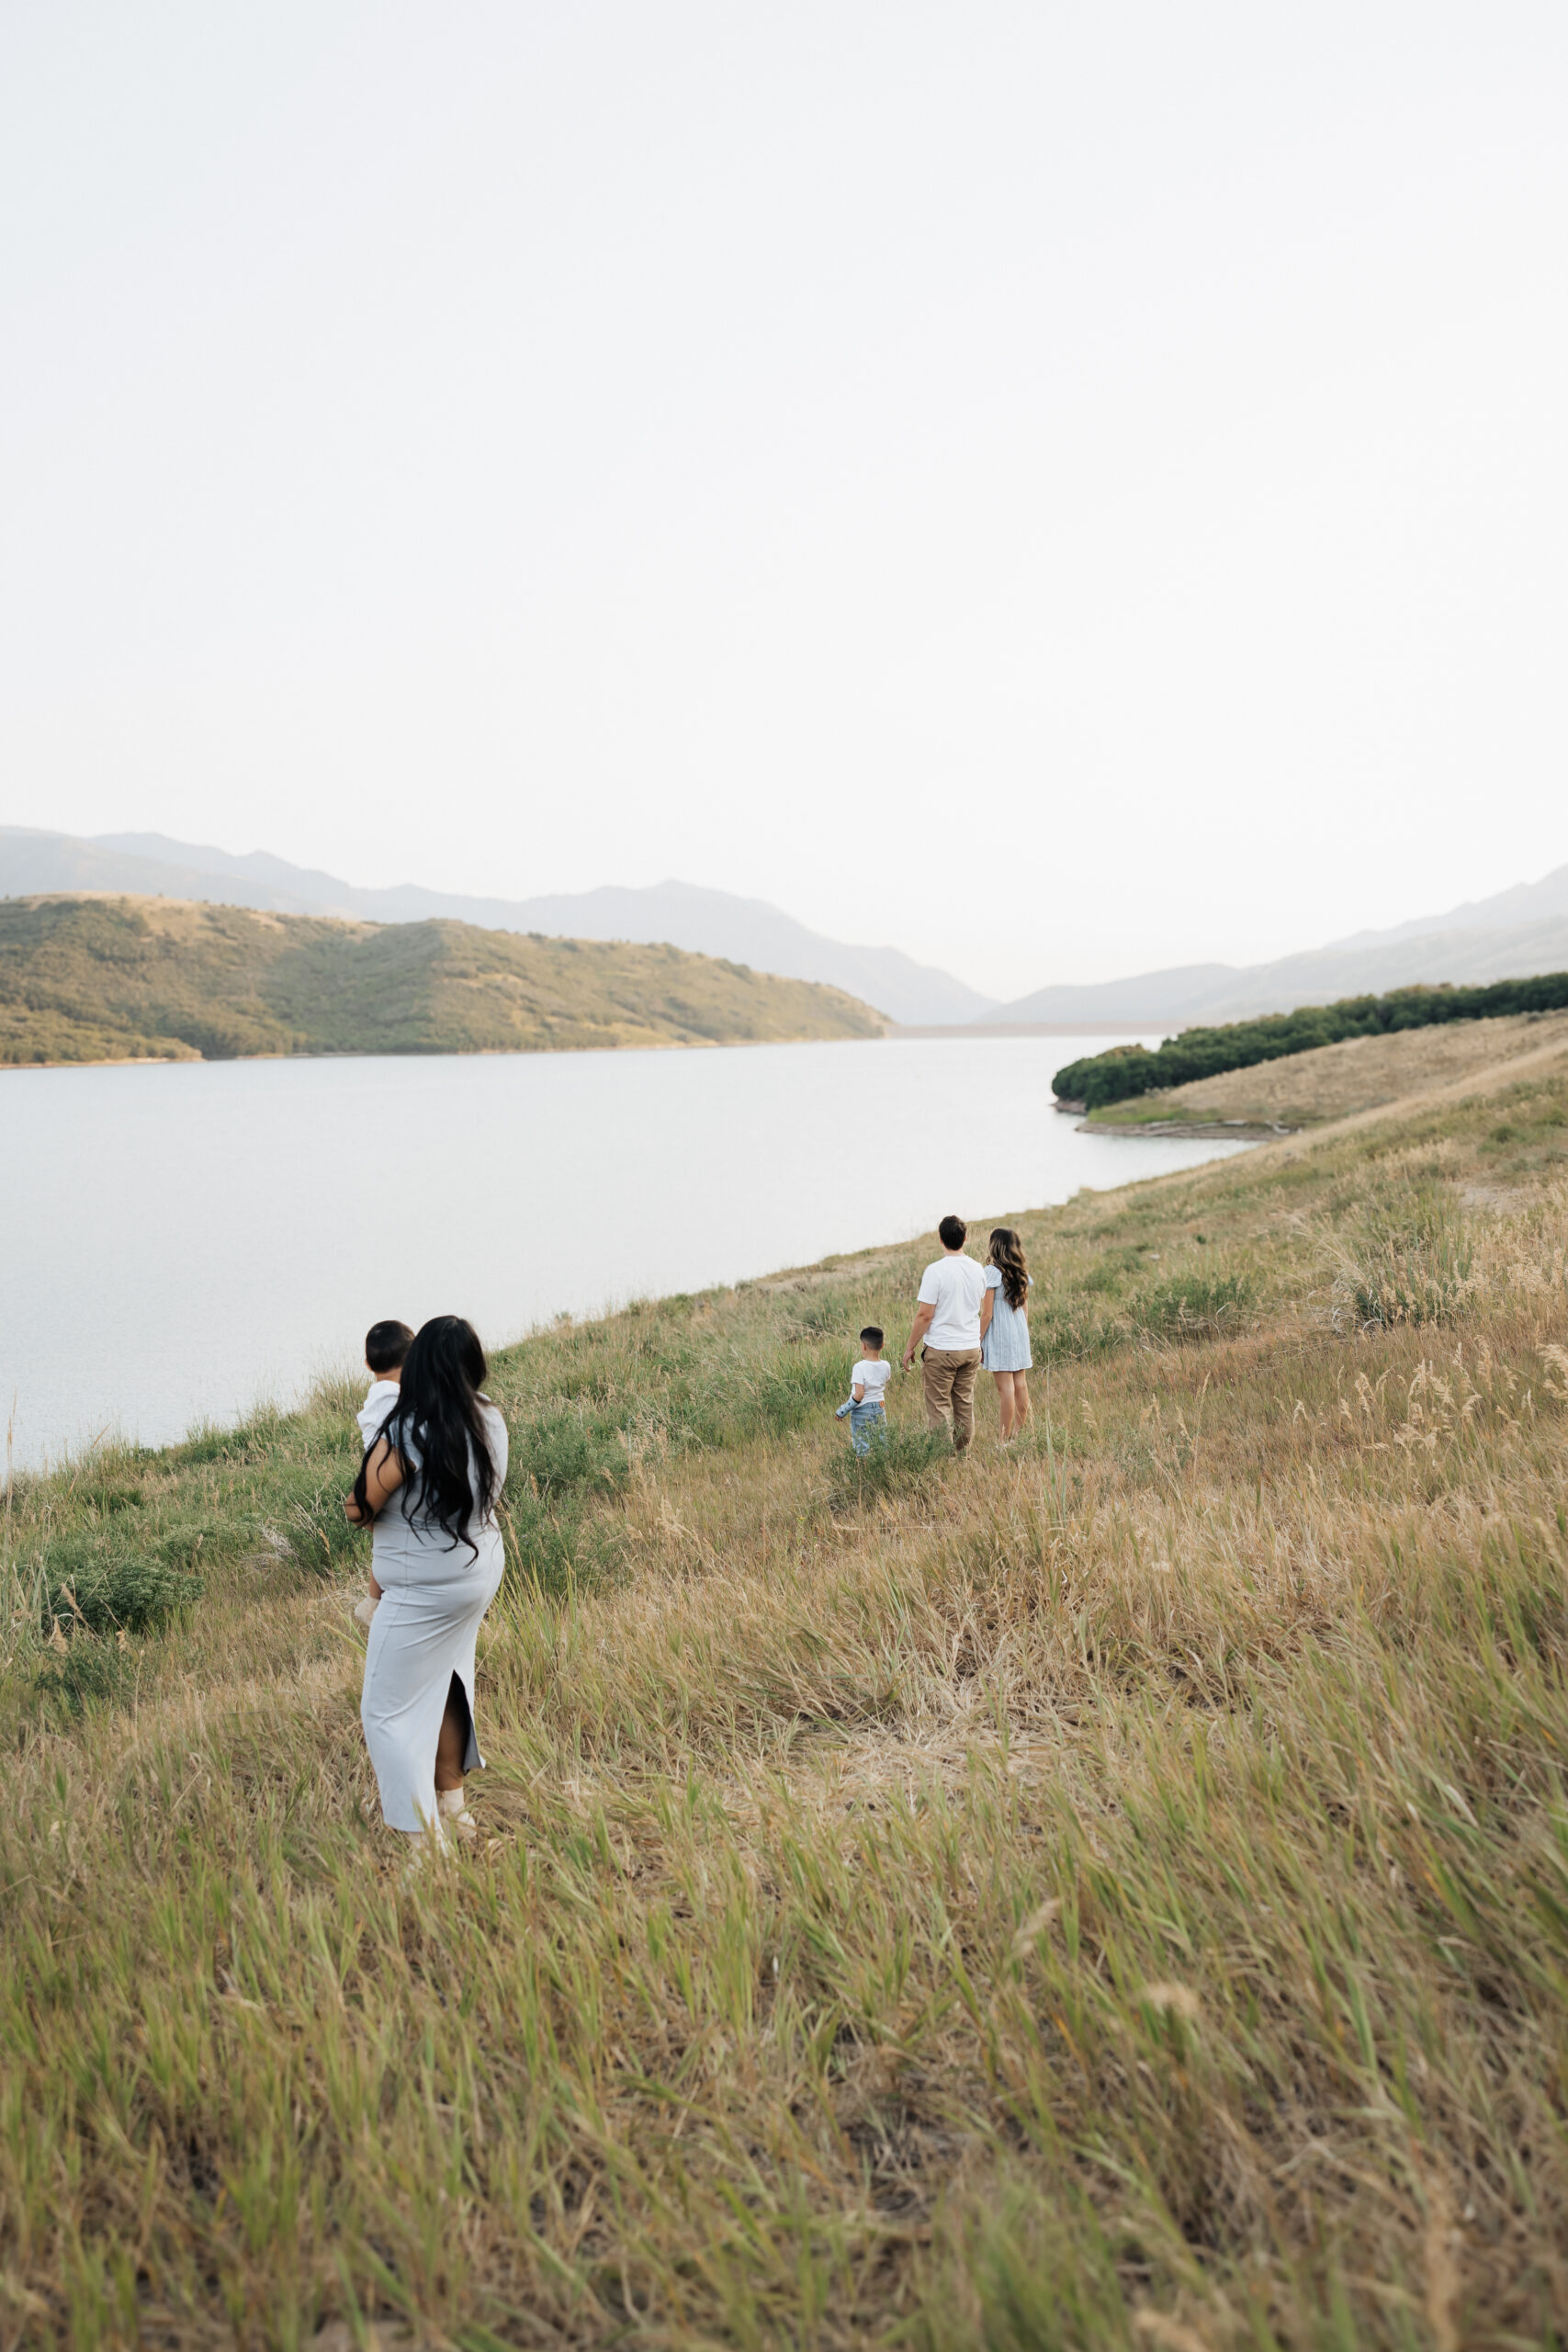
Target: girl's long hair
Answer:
pixel 1005 1254
pixel 437 1429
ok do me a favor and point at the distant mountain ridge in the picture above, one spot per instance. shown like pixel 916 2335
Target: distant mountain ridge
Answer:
pixel 1510 936
pixel 1485 945
pixel 1528 903
pixel 703 923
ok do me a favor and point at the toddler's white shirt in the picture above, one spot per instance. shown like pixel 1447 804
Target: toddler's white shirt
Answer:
pixel 873 1375
pixel 379 1400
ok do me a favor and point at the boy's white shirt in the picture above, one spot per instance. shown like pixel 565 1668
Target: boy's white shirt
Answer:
pixel 381 1395
pixel 871 1389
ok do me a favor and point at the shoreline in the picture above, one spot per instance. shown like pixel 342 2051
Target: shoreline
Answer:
pixel 437 1053
pixel 1192 1130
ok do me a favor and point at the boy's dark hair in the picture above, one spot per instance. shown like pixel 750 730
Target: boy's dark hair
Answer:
pixel 953 1232
pixel 387 1346
pixel 873 1333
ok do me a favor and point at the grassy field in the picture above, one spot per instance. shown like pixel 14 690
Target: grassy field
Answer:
pixel 86 979
pixel 1112 1892
pixel 1332 1081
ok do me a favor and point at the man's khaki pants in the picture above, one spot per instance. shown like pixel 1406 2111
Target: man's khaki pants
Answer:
pixel 949 1374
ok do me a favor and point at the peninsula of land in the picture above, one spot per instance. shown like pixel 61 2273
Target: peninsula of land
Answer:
pixel 1330 1082
pixel 89 978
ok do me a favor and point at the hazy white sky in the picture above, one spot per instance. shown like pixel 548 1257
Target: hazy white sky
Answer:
pixel 1060 488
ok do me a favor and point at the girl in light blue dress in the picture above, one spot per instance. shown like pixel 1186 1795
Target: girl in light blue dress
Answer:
pixel 1004 1327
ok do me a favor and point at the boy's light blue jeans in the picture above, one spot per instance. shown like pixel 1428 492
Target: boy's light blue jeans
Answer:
pixel 868 1425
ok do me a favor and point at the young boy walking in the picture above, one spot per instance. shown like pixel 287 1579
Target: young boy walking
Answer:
pixel 864 1405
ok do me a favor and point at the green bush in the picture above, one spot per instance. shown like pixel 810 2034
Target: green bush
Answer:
pixel 89 1674
pixel 95 1582
pixel 1125 1071
pixel 1403 1257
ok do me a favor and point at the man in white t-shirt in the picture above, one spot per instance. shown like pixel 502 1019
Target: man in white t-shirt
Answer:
pixel 947 1319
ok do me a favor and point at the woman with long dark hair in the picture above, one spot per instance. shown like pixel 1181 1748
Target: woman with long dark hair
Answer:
pixel 429 1484
pixel 1004 1327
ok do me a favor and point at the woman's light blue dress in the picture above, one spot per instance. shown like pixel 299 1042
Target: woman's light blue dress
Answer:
pixel 1005 1347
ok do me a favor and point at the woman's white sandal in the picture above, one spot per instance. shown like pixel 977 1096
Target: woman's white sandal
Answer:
pixel 425 1848
pixel 452 1813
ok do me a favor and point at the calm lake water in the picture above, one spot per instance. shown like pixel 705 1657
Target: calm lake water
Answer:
pixel 180 1242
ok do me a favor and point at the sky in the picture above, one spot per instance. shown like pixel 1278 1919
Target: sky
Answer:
pixel 1062 490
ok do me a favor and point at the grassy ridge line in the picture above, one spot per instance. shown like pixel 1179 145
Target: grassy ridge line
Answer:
pixel 1334 1083
pixel 1125 1071
pixel 105 978
pixel 1110 1893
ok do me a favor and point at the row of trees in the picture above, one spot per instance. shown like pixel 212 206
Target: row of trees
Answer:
pixel 1126 1070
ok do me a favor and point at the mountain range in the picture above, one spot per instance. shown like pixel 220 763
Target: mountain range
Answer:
pixel 1521 930
pixel 703 922
pixel 1517 931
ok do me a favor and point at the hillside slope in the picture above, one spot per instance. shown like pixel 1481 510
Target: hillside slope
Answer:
pixel 94 980
pixel 705 923
pixel 1333 1082
pixel 1111 1893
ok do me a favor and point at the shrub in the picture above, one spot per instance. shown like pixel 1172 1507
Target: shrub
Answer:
pixel 92 1581
pixel 89 1674
pixel 1403 1257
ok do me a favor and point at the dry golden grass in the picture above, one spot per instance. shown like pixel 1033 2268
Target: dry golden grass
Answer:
pixel 1362 1074
pixel 1111 1891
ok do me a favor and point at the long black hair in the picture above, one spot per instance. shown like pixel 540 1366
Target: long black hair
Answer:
pixel 437 1429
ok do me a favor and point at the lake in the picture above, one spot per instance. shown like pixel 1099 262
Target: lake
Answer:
pixel 182 1241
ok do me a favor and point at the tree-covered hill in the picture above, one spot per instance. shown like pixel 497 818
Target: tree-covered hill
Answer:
pixel 1123 1072
pixel 88 979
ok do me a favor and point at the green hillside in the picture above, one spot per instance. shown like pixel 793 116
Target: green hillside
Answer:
pixel 1104 1894
pixel 92 980
pixel 1123 1072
